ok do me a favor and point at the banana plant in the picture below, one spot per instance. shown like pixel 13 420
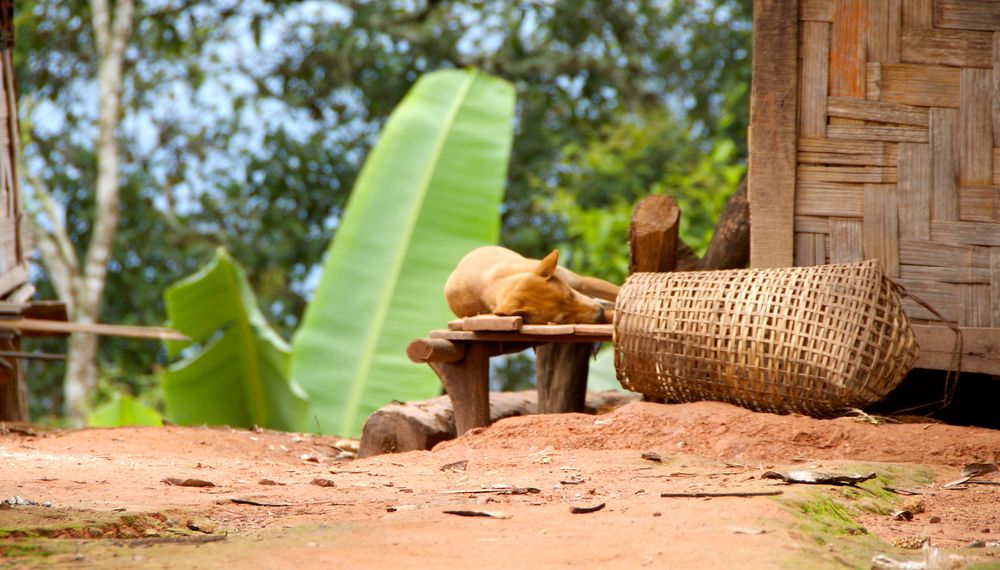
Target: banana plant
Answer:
pixel 429 191
pixel 235 370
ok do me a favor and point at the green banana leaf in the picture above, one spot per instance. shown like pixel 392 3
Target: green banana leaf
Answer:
pixel 123 410
pixel 429 192
pixel 239 374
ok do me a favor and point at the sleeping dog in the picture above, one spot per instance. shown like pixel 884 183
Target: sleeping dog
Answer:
pixel 497 280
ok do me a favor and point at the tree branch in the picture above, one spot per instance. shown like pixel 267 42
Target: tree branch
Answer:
pixel 54 244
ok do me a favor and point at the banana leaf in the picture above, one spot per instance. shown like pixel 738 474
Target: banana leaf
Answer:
pixel 236 372
pixel 429 192
pixel 123 410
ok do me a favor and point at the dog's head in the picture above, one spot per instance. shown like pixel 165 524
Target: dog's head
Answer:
pixel 542 298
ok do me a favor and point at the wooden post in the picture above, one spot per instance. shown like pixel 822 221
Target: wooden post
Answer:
pixel 773 114
pixel 561 372
pixel 467 383
pixel 730 245
pixel 652 235
pixel 13 394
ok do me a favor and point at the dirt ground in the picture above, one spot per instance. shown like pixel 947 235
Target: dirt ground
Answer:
pixel 289 500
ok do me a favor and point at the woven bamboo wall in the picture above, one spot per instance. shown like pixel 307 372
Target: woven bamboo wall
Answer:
pixel 13 266
pixel 891 110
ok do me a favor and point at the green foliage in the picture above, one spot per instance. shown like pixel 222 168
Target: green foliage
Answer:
pixel 238 375
pixel 260 158
pixel 123 410
pixel 429 192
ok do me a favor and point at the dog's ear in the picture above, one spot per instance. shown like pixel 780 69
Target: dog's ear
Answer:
pixel 547 267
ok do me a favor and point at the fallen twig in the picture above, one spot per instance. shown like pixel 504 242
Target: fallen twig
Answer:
pixel 488 514
pixel 499 491
pixel 706 494
pixel 177 481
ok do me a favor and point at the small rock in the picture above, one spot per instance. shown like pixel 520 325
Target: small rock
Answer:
pixel 320 482
pixel 934 519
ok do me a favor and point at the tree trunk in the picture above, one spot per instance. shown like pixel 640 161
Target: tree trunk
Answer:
pixel 413 426
pixel 111 35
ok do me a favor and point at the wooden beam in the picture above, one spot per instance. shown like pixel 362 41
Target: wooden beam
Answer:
pixel 980 348
pixel 773 116
pixel 130 331
pixel 423 350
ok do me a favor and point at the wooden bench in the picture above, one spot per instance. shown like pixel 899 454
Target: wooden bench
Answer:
pixel 460 355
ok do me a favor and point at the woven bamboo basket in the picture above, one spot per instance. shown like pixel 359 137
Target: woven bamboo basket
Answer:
pixel 813 340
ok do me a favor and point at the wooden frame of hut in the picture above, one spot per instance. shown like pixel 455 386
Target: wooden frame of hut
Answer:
pixel 15 290
pixel 875 133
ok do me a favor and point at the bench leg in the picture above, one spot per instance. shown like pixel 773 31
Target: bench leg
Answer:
pixel 468 385
pixel 561 376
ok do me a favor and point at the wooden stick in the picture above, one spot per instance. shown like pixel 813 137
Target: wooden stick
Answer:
pixel 698 495
pixel 435 350
pixel 131 331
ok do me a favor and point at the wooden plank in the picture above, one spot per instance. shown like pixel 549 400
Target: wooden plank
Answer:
pixel 815 54
pixel 967 14
pixel 976 304
pixel 972 233
pixel 847 174
pixel 996 165
pixel 487 323
pixel 921 85
pixel 945 298
pixel 979 204
pixel 960 48
pixel 840 146
pixel 975 128
pixel 939 254
pixel 914 191
pixel 980 348
pixel 878 133
pixel 845 240
pixel 891 154
pixel 818 198
pixel 13 278
pixel 812 224
pixel 944 164
pixel 805 249
pixel 518 337
pixel 884 21
pixel 954 274
pixel 996 103
pixel 873 81
pixel 772 140
pixel 816 10
pixel 548 330
pixel 880 229
pixel 847 48
pixel 918 14
pixel 130 331
pixel 995 287
pixel 596 330
pixel 832 158
pixel 878 111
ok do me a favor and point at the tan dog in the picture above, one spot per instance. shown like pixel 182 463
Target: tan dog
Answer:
pixel 497 280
